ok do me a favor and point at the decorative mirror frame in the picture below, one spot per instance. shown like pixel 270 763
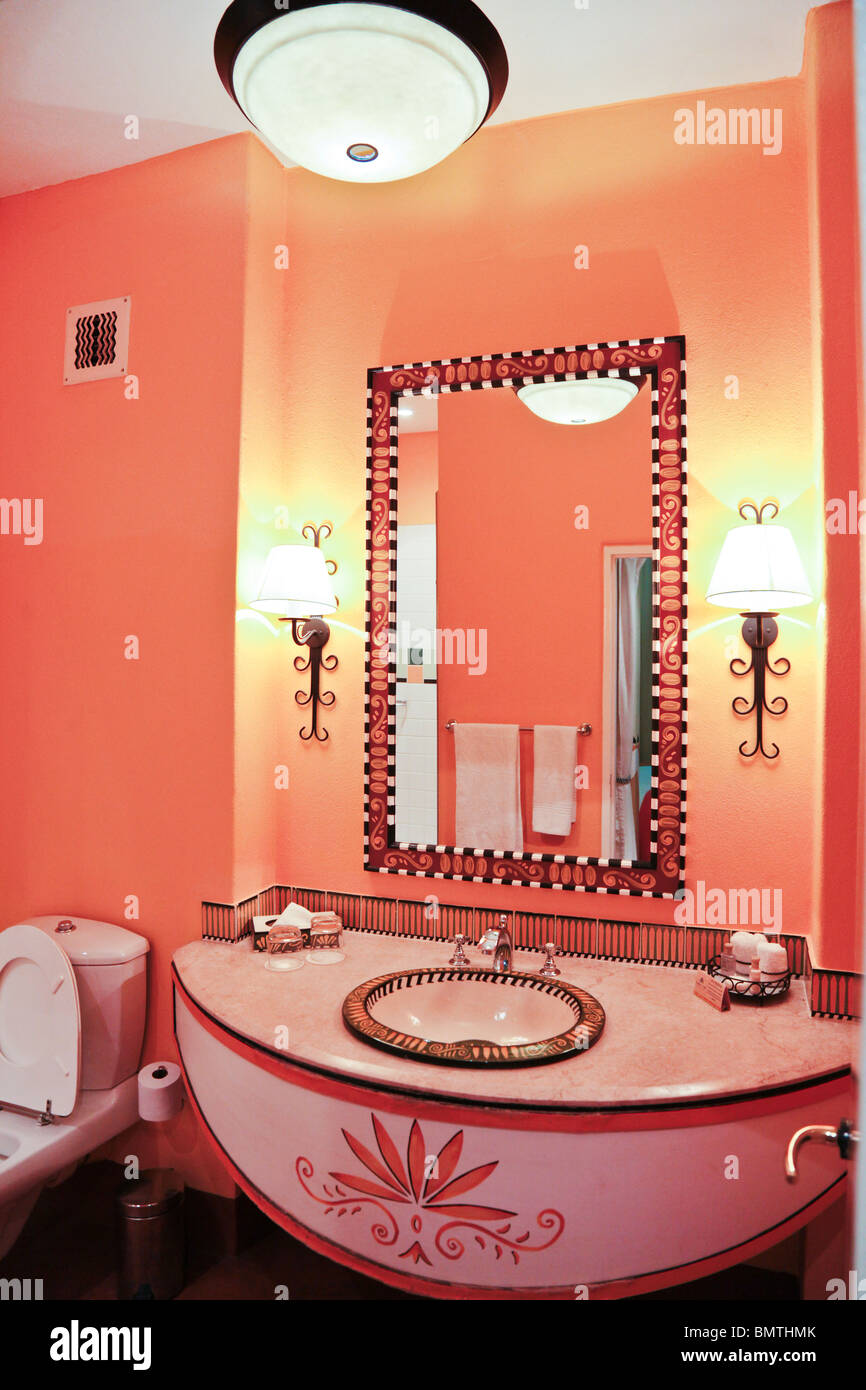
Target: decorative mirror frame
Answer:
pixel 663 361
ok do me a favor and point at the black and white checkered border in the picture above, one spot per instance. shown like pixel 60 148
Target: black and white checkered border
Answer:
pixel 512 382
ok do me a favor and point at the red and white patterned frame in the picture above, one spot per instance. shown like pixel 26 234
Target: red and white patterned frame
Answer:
pixel 663 361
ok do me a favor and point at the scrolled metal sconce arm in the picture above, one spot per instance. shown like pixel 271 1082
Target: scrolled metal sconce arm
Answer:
pixel 760 631
pixel 314 633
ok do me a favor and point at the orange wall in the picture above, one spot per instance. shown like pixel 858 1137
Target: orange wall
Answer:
pixel 478 256
pixel 513 565
pixel 117 775
pixel 419 478
pixel 838 364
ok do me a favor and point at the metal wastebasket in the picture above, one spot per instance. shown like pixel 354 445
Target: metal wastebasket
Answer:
pixel 151 1242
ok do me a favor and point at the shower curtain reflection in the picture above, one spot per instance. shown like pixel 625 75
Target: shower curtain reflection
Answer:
pixel 633 722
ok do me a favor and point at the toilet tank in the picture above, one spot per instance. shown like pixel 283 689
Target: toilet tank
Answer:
pixel 110 965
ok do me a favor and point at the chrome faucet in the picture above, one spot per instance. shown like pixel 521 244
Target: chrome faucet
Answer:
pixel 496 942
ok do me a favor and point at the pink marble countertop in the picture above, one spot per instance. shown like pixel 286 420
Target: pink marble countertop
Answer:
pixel 660 1043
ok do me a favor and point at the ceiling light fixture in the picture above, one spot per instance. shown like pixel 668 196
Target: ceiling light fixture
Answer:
pixel 367 92
pixel 583 402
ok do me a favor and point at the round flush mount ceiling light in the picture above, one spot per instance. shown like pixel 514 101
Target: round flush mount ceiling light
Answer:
pixel 582 402
pixel 369 92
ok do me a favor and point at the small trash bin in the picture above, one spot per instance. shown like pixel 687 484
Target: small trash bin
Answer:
pixel 150 1224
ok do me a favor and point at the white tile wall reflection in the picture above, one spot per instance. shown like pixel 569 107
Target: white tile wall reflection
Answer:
pixel 416 776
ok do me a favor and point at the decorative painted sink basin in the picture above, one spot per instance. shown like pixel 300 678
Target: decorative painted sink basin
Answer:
pixel 474 1018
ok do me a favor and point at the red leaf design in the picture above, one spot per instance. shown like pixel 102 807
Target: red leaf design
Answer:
pixel 465 1182
pixel 388 1150
pixel 370 1161
pixel 472 1213
pixel 416 1157
pixel 446 1162
pixel 372 1189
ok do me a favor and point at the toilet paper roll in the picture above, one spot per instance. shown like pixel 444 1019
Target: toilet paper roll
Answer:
pixel 160 1091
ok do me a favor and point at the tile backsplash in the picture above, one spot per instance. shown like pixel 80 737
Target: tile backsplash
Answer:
pixel 833 993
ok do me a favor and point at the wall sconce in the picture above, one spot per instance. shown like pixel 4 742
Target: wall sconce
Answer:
pixel 758 572
pixel 296 587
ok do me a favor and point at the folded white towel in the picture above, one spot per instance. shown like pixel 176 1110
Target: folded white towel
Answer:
pixel 488 786
pixel 554 797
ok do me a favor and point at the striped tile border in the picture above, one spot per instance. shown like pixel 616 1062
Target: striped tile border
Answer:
pixel 619 940
pixel 576 936
pixel 832 993
pixel 419 919
pixel 700 943
pixel 836 994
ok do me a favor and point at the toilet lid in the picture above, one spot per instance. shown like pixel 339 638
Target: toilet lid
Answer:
pixel 40 1022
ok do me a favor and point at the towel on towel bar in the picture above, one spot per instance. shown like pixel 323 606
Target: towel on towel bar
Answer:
pixel 554 798
pixel 488 786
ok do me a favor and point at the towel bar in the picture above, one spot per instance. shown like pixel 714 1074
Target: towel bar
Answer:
pixel 582 729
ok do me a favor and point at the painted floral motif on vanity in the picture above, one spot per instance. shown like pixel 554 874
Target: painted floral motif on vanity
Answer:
pixel 416 1201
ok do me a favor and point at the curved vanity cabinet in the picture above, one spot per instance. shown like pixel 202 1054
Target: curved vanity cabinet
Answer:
pixel 633 1167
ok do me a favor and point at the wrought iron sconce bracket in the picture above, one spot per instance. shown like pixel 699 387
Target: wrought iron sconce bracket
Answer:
pixel 760 631
pixel 314 633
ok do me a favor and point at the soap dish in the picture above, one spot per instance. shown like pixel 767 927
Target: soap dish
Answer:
pixel 741 987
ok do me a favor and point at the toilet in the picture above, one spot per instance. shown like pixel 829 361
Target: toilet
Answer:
pixel 73 997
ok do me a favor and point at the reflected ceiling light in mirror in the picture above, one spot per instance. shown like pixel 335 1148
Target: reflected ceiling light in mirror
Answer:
pixel 586 401
pixel 758 572
pixel 367 93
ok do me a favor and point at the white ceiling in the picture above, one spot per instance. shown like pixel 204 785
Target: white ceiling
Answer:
pixel 71 70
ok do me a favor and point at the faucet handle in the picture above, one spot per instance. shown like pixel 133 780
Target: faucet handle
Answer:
pixel 548 969
pixel 459 957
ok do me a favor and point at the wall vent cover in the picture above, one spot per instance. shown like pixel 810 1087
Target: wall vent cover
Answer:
pixel 97 341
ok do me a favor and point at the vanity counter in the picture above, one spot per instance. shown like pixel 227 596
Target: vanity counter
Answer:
pixel 653 1158
pixel 660 1046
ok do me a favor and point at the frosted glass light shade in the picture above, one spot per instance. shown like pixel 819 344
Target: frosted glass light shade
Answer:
pixel 296 583
pixel 368 92
pixel 759 570
pixel 583 402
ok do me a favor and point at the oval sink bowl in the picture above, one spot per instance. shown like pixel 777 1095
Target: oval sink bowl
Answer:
pixel 474 1018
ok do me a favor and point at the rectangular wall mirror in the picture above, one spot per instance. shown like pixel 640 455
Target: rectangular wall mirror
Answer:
pixel 526 618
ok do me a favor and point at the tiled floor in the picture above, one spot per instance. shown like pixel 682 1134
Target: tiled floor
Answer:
pixel 69 1243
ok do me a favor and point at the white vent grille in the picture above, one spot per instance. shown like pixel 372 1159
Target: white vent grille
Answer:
pixel 97 341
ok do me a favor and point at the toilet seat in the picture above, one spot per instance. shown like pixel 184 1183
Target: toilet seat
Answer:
pixel 40 1023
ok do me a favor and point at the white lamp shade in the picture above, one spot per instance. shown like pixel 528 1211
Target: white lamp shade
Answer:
pixel 759 570
pixel 296 583
pixel 582 402
pixel 361 92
